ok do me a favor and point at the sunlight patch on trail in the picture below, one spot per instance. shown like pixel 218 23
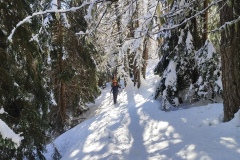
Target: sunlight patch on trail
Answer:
pixel 228 142
pixel 112 127
pixel 139 99
pixel 159 135
pixel 74 153
pixel 188 152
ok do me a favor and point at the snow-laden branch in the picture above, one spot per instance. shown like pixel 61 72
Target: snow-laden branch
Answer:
pixel 227 24
pixel 155 10
pixel 104 12
pixel 188 19
pixel 7 133
pixel 221 28
pixel 72 9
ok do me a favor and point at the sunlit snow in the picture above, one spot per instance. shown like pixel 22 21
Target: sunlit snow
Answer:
pixel 136 129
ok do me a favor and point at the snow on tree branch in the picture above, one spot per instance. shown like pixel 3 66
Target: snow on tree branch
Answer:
pixel 7 133
pixel 187 19
pixel 73 9
pixel 226 24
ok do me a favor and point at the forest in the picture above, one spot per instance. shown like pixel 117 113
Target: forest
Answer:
pixel 56 54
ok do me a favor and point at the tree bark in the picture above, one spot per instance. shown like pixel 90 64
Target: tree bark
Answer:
pixel 119 45
pixel 62 97
pixel 205 26
pixel 230 56
pixel 145 57
pixel 137 67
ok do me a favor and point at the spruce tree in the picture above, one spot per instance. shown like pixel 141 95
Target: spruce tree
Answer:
pixel 186 68
pixel 72 72
pixel 23 95
pixel 176 68
pixel 208 85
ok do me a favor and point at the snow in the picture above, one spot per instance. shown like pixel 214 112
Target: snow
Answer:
pixel 210 49
pixel 180 37
pixel 136 129
pixel 189 42
pixel 8 133
pixel 88 17
pixel 170 74
pixel 52 10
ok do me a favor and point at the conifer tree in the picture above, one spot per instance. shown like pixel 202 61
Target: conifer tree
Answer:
pixel 176 68
pixel 208 85
pixel 72 72
pixel 179 67
pixel 23 96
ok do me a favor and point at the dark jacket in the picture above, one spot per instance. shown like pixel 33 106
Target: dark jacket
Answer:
pixel 115 88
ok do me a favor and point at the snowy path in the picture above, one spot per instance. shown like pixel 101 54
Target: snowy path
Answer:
pixel 135 129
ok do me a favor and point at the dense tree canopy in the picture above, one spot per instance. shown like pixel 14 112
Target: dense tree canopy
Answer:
pixel 54 53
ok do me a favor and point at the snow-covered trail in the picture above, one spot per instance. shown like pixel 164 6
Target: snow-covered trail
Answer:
pixel 136 129
pixel 116 127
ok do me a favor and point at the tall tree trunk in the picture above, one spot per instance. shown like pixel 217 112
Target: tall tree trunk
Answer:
pixel 205 26
pixel 137 75
pixel 145 57
pixel 128 57
pixel 130 65
pixel 138 78
pixel 62 97
pixel 119 45
pixel 196 35
pixel 230 55
pixel 137 68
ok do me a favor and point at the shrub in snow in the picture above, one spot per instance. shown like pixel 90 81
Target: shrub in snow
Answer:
pixel 208 85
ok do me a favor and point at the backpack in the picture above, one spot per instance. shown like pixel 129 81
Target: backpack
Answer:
pixel 114 82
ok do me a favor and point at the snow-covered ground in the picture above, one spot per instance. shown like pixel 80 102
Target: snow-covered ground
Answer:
pixel 136 129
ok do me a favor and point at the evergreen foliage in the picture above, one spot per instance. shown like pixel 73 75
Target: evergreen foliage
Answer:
pixel 186 74
pixel 32 68
pixel 72 72
pixel 23 96
pixel 208 63
pixel 51 68
pixel 176 68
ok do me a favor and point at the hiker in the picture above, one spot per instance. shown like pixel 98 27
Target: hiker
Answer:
pixel 114 90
